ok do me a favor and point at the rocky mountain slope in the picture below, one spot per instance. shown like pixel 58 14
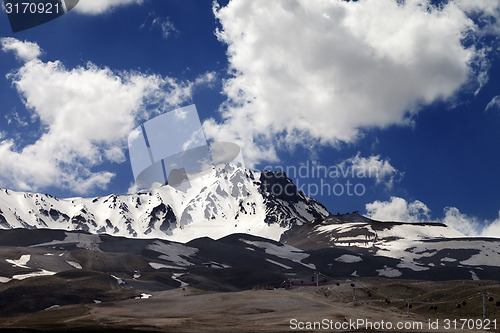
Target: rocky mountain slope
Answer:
pixel 431 251
pixel 226 200
pixel 206 234
pixel 42 268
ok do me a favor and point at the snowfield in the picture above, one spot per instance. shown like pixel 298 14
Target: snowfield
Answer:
pixel 284 252
pixel 173 252
pixel 74 264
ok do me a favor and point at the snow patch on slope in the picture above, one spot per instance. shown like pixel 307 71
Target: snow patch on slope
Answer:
pixel 389 272
pixel 74 264
pixel 474 275
pixel 284 251
pixel 176 276
pixel 156 265
pixel 348 258
pixel 43 272
pixel 489 255
pixel 21 262
pixel 279 264
pixel 81 240
pixel 173 252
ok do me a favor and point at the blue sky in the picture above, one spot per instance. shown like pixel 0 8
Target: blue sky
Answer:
pixel 404 89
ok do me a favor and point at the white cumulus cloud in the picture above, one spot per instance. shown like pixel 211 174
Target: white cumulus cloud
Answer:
pixel 96 7
pixel 468 225
pixel 492 229
pixel 85 116
pixel 399 210
pixel 471 225
pixel 23 50
pixel 372 167
pixel 318 72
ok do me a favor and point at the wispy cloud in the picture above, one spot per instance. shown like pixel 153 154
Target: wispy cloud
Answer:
pixel 163 24
pixel 13 118
pixel 493 104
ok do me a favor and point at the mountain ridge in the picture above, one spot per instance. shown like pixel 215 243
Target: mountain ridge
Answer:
pixel 226 200
pixel 235 217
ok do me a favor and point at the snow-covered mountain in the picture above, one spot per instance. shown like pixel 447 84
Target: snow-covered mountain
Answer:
pixel 359 232
pixel 419 250
pixel 229 204
pixel 226 200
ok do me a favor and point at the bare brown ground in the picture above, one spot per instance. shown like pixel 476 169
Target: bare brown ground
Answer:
pixel 193 310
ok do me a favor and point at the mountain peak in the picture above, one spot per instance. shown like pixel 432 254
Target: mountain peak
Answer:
pixel 224 200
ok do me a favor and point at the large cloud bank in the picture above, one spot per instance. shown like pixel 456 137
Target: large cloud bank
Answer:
pixel 84 116
pixel 319 72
